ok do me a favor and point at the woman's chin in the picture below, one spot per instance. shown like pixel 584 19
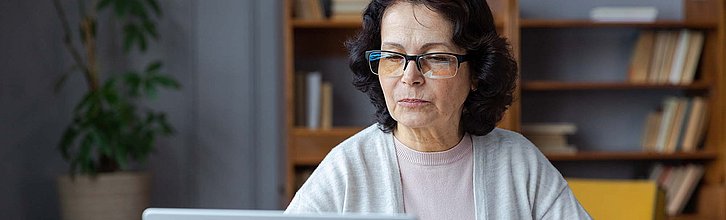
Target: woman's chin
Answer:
pixel 415 121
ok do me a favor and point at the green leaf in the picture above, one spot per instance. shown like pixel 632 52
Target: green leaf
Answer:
pixel 150 89
pixel 69 136
pixel 165 81
pixel 121 156
pixel 130 36
pixel 121 7
pixel 154 6
pixel 151 29
pixel 103 4
pixel 153 67
pixel 84 154
pixel 85 102
pixel 110 93
pixel 62 79
pixel 137 8
pixel 133 82
pixel 142 41
pixel 166 128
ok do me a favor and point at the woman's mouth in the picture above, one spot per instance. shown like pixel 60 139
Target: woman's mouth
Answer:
pixel 411 103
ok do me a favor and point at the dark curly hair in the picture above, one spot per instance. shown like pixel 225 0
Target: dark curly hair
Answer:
pixel 491 64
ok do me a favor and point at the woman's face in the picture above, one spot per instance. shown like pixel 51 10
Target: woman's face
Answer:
pixel 413 100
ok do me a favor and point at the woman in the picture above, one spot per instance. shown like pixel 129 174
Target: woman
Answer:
pixel 440 78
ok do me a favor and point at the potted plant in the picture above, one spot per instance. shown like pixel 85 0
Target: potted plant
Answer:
pixel 110 130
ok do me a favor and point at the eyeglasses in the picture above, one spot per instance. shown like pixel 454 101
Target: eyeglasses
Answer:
pixel 431 65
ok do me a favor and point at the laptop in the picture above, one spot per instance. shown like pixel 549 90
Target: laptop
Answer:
pixel 236 214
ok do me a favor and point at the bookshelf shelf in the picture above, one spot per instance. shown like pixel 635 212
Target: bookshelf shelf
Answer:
pixel 612 156
pixel 562 23
pixel 560 85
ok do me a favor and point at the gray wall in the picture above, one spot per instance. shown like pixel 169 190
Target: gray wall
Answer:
pixel 226 153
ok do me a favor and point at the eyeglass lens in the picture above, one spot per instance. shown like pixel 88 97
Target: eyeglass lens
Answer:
pixel 431 65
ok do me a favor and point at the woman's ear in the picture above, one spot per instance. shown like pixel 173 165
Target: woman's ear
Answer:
pixel 474 83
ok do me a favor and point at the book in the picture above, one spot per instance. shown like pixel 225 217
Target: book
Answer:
pixel 650 131
pixel 678 182
pixel 671 39
pixel 656 62
pixel 313 99
pixel 300 97
pixel 674 129
pixel 326 115
pixel 690 65
pixel 549 128
pixel 309 10
pixel 669 108
pixel 692 174
pixel 641 57
pixel 348 9
pixel 695 125
pixel 624 14
pixel 679 57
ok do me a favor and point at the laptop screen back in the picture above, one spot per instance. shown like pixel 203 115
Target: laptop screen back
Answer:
pixel 231 214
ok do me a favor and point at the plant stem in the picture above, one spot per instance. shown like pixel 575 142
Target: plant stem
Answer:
pixel 67 40
pixel 90 44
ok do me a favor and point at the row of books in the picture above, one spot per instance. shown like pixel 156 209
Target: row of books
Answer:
pixel 332 9
pixel 679 182
pixel 679 126
pixel 551 137
pixel 666 57
pixel 313 101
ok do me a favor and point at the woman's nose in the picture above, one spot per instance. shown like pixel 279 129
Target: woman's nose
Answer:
pixel 411 75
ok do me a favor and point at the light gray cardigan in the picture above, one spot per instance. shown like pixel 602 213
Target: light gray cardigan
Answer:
pixel 512 179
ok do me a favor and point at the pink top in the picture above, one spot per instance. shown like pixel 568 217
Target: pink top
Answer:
pixel 438 185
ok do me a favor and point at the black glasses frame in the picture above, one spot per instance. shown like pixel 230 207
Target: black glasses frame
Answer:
pixel 416 58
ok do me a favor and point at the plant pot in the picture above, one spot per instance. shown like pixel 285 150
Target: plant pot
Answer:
pixel 110 196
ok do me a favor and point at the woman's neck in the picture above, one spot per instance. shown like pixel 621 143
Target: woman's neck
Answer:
pixel 429 139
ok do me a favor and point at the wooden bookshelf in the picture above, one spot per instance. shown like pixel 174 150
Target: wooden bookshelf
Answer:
pixel 310 146
pixel 707 16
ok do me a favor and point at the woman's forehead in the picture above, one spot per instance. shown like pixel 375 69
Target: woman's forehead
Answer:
pixel 406 24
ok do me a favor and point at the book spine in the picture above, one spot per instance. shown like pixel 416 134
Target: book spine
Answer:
pixel 314 81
